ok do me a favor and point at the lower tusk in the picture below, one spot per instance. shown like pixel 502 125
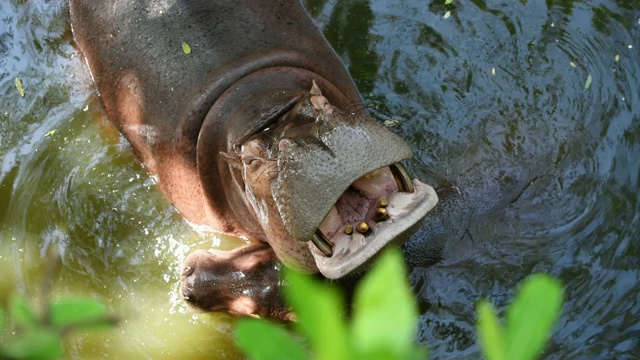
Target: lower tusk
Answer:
pixel 402 178
pixel 321 242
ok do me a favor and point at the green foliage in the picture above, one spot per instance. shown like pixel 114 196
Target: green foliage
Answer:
pixel 385 313
pixel 529 321
pixel 3 319
pixel 383 324
pixel 490 333
pixel 37 343
pixel 261 340
pixel 40 336
pixel 76 312
pixel 318 310
pixel 22 312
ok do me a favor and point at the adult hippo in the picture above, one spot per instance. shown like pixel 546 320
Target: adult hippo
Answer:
pixel 253 134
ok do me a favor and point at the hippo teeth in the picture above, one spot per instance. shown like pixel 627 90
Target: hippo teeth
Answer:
pixel 402 178
pixel 369 189
pixel 380 208
pixel 321 242
pixel 404 185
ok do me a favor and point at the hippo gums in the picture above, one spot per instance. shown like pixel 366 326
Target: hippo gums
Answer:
pixel 253 134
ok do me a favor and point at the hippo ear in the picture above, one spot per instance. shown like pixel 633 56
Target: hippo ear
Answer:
pixel 315 90
pixel 318 101
pixel 233 159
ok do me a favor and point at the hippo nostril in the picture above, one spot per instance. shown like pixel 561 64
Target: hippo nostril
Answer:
pixel 187 270
pixel 187 294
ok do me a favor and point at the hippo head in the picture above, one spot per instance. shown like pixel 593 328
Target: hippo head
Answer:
pixel 328 188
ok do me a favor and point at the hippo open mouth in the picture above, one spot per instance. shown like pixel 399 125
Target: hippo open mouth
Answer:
pixel 379 209
pixel 341 187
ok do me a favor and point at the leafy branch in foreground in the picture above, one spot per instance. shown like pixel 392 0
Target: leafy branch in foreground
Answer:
pixel 529 321
pixel 40 336
pixel 383 324
pixel 384 320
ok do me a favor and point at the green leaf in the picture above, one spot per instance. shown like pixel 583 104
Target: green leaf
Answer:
pixel 3 319
pixel 588 82
pixel 78 312
pixel 318 308
pixel 19 86
pixel 531 316
pixel 447 2
pixel 22 312
pixel 490 332
pixel 186 48
pixel 385 313
pixel 39 343
pixel 261 340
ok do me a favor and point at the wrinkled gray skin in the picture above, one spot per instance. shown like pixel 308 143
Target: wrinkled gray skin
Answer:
pixel 251 135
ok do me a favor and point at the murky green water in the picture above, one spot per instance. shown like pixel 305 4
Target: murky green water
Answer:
pixel 559 164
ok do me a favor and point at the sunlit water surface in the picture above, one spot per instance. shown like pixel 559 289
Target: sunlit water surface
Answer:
pixel 476 85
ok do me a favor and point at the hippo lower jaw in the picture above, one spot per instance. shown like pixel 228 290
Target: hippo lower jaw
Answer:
pixel 379 209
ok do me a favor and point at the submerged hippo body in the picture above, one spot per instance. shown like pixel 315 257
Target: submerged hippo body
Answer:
pixel 251 134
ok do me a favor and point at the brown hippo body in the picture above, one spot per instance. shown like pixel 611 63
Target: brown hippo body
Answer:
pixel 238 142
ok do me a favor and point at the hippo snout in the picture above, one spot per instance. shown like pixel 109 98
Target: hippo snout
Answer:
pixel 243 282
pixel 202 281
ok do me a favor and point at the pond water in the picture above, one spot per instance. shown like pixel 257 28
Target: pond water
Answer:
pixel 538 103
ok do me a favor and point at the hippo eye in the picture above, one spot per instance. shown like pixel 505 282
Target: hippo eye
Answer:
pixel 251 162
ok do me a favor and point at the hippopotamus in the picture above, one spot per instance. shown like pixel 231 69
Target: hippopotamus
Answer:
pixel 251 126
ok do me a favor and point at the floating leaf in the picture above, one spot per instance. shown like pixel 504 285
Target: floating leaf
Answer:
pixel 493 71
pixel 261 340
pixel 22 312
pixel 447 14
pixel 447 2
pixel 186 48
pixel 78 312
pixel 531 316
pixel 318 311
pixel 391 123
pixel 588 82
pixel 50 133
pixel 40 343
pixel 19 86
pixel 490 332
pixel 617 57
pixel 573 65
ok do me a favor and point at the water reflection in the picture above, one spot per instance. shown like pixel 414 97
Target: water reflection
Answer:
pixel 492 99
pixel 497 102
pixel 68 181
